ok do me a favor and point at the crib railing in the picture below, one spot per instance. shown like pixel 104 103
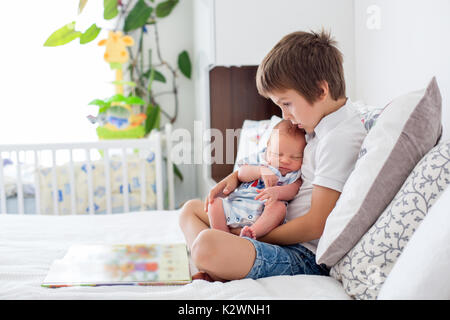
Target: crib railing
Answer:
pixel 156 142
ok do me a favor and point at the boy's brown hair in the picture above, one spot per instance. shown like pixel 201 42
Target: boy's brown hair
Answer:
pixel 301 61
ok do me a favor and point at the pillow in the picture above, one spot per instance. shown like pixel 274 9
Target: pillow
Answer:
pixel 388 154
pixel 422 271
pixel 253 137
pixel 364 269
pixel 369 114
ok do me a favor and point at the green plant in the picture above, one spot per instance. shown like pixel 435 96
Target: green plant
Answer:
pixel 137 17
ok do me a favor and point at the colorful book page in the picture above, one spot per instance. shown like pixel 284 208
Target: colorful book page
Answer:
pixel 121 264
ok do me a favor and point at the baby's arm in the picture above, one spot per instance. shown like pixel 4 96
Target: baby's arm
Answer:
pixel 247 173
pixel 288 192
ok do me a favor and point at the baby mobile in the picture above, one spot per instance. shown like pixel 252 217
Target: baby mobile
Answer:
pixel 116 117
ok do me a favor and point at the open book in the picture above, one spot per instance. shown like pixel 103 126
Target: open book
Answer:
pixel 120 264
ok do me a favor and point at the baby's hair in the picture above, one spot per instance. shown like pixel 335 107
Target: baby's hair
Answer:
pixel 288 128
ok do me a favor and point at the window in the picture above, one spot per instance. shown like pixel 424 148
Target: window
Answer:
pixel 45 91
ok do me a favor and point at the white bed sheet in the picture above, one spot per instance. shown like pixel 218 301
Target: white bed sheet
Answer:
pixel 29 244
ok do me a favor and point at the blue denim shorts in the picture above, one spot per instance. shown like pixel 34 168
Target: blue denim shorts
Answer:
pixel 275 260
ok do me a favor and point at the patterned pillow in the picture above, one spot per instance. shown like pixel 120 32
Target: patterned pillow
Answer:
pixel 364 269
pixel 369 114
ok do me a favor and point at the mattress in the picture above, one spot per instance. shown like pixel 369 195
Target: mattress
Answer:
pixel 29 244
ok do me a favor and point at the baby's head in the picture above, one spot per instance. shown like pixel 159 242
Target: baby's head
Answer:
pixel 285 147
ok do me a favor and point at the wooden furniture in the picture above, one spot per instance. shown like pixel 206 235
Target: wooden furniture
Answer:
pixel 233 99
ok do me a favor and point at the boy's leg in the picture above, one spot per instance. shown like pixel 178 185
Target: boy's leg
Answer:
pixel 271 217
pixel 216 215
pixel 193 219
pixel 222 255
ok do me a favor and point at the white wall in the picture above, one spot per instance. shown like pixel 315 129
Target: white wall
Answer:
pixel 411 45
pixel 176 35
pixel 246 30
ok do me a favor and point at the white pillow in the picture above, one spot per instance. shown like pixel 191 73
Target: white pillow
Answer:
pixel 404 132
pixel 423 269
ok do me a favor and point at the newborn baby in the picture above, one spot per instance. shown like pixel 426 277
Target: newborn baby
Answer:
pixel 269 179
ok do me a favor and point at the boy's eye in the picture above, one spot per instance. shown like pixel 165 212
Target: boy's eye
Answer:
pixel 286 104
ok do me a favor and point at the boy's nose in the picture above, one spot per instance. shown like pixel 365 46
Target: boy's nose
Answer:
pixel 286 115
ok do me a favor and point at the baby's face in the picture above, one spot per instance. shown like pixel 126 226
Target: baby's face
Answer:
pixel 286 154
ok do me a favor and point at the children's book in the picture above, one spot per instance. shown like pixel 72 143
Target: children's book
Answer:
pixel 120 264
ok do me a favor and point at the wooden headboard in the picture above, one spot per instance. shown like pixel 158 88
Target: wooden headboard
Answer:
pixel 233 99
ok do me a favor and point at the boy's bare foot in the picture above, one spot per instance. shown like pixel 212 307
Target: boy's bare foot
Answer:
pixel 248 232
pixel 201 275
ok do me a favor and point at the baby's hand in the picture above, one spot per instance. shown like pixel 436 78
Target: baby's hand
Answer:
pixel 270 194
pixel 269 178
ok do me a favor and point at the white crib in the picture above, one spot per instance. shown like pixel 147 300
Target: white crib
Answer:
pixel 100 151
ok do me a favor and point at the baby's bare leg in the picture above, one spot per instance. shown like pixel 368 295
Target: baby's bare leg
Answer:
pixel 216 216
pixel 271 217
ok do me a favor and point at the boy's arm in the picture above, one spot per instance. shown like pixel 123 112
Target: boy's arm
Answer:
pixel 247 173
pixel 309 226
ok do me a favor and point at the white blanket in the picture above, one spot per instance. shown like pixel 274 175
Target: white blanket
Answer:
pixel 29 244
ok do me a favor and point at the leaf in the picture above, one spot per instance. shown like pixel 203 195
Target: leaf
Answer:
pixel 138 16
pixel 163 9
pixel 134 100
pixel 98 102
pixel 184 63
pixel 153 118
pixel 157 76
pixel 116 98
pixel 110 9
pixel 177 172
pixel 63 35
pixel 81 5
pixel 90 34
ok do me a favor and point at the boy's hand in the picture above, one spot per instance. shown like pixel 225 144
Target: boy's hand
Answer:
pixel 270 194
pixel 222 189
pixel 268 177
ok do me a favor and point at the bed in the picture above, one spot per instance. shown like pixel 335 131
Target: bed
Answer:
pixel 29 244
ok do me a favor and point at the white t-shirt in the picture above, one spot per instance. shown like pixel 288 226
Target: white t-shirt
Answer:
pixel 329 158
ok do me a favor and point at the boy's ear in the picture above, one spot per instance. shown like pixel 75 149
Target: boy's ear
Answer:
pixel 324 89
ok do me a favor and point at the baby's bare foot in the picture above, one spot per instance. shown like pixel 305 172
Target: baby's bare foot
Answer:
pixel 248 232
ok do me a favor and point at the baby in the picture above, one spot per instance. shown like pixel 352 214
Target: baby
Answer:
pixel 267 177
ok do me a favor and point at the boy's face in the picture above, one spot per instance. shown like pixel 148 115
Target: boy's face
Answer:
pixel 296 109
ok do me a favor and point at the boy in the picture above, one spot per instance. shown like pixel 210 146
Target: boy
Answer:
pixel 265 176
pixel 303 75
